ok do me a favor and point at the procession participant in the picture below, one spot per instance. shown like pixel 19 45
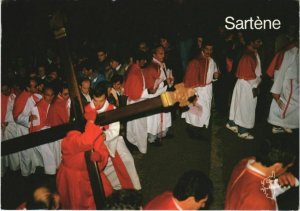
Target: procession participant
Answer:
pixel 157 80
pixel 200 74
pixel 29 158
pixel 244 97
pixel 120 169
pixel 284 110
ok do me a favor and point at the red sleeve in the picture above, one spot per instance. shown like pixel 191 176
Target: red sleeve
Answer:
pixel 75 142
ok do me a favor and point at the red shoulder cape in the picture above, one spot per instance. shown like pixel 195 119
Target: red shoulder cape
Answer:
pixel 133 83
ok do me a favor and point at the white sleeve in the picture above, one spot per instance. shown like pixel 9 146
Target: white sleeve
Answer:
pixel 113 131
pixel 146 95
pixel 277 189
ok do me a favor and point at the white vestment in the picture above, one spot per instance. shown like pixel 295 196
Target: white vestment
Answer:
pixel 12 160
pixel 198 115
pixel 286 83
pixel 243 104
pixel 29 158
pixel 158 124
pixel 115 143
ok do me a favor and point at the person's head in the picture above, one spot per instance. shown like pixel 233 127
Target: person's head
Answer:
pixel 115 60
pixel 159 53
pixel 84 85
pixel 142 46
pixel 163 41
pixel 124 199
pixel 199 40
pixel 48 94
pixel 208 49
pixel 64 91
pixel 117 81
pixel 43 197
pixel 87 69
pixel 101 54
pixel 41 85
pixel 5 87
pixel 253 40
pixel 100 94
pixel 32 85
pixel 140 58
pixel 193 190
pixel 41 70
pixel 276 155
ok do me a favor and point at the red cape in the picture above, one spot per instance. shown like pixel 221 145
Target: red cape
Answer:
pixel 244 190
pixel 196 72
pixel 20 103
pixel 162 202
pixel 151 74
pixel 133 82
pixel 58 112
pixel 42 107
pixel 277 60
pixel 247 65
pixel 4 101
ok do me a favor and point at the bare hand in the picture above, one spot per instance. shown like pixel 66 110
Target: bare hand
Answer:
pixel 217 74
pixel 281 104
pixel 32 117
pixel 287 179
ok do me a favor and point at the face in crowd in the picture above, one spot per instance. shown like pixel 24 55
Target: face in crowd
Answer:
pixel 85 87
pixel 207 51
pixel 65 94
pixel 99 101
pixel 159 54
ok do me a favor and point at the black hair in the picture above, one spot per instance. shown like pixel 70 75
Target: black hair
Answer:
pixel 48 204
pixel 251 37
pixel 193 183
pixel 156 47
pixel 82 80
pixel 124 199
pixel 100 89
pixel 275 150
pixel 87 64
pixel 139 55
pixel 116 78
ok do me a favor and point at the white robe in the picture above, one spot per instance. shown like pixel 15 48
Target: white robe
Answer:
pixel 243 104
pixel 286 83
pixel 29 158
pixel 199 114
pixel 114 143
pixel 50 152
pixel 12 160
pixel 158 124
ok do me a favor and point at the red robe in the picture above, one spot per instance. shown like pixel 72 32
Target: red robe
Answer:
pixel 244 190
pixel 247 65
pixel 133 82
pixel 163 201
pixel 73 183
pixel 196 73
pixel 58 112
pixel 151 74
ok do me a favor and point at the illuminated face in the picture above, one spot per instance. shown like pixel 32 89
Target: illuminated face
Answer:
pixel 33 86
pixel 143 47
pixel 85 87
pixel 114 64
pixel 199 42
pixel 257 43
pixel 164 42
pixel 48 95
pixel 159 54
pixel 99 101
pixel 65 94
pixel 117 86
pixel 101 56
pixel 207 51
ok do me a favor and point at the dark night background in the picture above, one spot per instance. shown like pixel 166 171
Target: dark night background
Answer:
pixel 26 31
